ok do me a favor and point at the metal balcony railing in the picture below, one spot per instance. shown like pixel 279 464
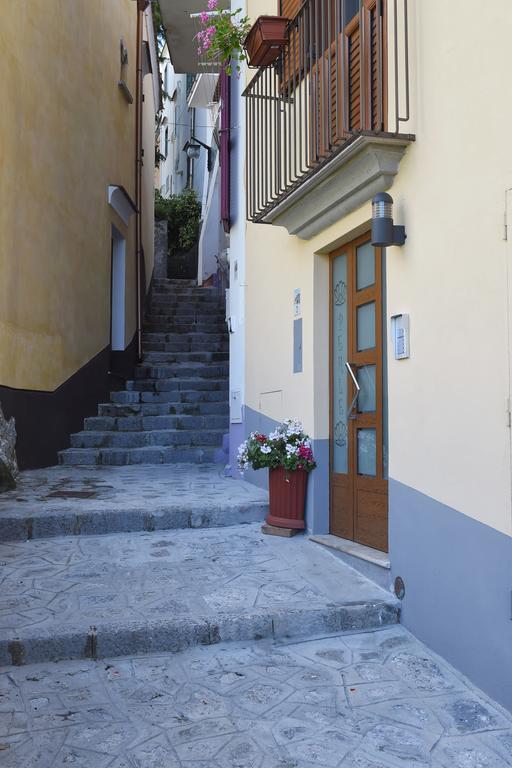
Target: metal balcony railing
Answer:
pixel 337 78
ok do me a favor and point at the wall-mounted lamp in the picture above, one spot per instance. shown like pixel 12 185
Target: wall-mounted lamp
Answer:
pixel 384 232
pixel 193 150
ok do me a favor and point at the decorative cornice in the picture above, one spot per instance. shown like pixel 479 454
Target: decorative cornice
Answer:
pixel 366 166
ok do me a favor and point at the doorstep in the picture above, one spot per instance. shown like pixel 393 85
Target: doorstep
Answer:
pixel 374 564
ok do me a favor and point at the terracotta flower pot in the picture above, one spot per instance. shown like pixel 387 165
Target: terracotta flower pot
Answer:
pixel 287 498
pixel 266 39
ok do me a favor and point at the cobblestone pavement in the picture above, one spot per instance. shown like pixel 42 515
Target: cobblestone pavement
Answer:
pixel 54 590
pixel 72 500
pixel 370 700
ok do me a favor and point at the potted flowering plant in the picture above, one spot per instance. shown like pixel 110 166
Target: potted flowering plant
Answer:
pixel 266 40
pixel 226 37
pixel 288 455
pixel 222 34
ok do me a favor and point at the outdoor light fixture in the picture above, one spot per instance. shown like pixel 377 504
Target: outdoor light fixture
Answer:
pixel 384 232
pixel 193 150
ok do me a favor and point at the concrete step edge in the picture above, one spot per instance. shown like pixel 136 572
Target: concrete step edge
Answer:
pixel 98 521
pixel 108 640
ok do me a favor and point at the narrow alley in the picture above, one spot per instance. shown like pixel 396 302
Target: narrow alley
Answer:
pixel 255 384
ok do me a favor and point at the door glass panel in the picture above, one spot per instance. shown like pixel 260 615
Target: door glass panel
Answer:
pixel 366 452
pixel 367 396
pixel 365 266
pixel 340 342
pixel 366 326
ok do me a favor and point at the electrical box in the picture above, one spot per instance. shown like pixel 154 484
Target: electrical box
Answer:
pixel 297 345
pixel 400 336
pixel 235 408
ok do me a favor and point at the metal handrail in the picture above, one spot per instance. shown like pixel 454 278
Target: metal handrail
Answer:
pixel 328 85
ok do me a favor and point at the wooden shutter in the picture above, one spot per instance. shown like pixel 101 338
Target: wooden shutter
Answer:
pixel 365 88
pixel 289 8
pixel 354 56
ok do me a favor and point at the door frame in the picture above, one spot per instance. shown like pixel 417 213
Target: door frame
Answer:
pixel 375 292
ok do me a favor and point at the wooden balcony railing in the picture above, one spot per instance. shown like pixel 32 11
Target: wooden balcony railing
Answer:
pixel 329 84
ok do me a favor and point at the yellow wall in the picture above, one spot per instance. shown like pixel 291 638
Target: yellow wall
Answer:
pixel 148 173
pixel 66 133
pixel 448 434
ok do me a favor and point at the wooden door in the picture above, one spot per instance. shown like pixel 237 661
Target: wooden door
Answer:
pixel 359 487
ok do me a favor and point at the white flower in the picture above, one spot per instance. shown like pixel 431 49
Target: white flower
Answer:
pixel 275 435
pixel 266 449
pixel 292 427
pixel 291 450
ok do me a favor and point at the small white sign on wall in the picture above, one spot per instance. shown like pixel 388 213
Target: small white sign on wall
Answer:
pixel 297 309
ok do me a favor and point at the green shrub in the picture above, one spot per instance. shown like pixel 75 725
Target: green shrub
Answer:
pixel 183 213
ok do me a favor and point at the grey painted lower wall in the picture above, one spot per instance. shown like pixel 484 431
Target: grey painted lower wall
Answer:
pixel 317 502
pixel 458 582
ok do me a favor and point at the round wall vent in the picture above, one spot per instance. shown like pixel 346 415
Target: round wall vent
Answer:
pixel 399 588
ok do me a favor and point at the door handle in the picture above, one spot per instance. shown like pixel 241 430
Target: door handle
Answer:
pixel 350 414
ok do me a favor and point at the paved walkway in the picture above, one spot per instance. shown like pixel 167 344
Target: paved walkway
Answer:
pixel 149 585
pixel 371 700
pixel 96 500
pixel 166 590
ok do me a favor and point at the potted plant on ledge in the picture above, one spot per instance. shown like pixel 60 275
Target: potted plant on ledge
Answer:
pixel 227 37
pixel 288 455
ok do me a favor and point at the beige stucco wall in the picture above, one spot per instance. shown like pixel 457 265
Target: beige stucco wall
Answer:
pixel 66 133
pixel 448 433
pixel 148 168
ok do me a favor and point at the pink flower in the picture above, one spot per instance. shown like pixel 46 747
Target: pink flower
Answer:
pixel 305 453
pixel 204 17
pixel 212 5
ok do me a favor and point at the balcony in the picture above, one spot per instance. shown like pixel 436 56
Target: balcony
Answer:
pixel 324 121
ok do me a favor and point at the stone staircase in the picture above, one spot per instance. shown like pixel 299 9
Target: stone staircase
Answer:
pixel 176 408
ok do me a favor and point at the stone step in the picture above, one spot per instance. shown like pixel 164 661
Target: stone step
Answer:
pixel 174 281
pixel 143 423
pixel 182 370
pixel 184 357
pixel 186 346
pixel 202 340
pixel 186 317
pixel 63 501
pixel 185 438
pixel 163 324
pixel 173 384
pixel 184 288
pixel 156 454
pixel 186 309
pixel 135 593
pixel 205 303
pixel 187 306
pixel 116 410
pixel 125 397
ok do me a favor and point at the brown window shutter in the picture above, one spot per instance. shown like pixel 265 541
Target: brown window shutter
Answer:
pixel 363 70
pixel 354 56
pixel 289 8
